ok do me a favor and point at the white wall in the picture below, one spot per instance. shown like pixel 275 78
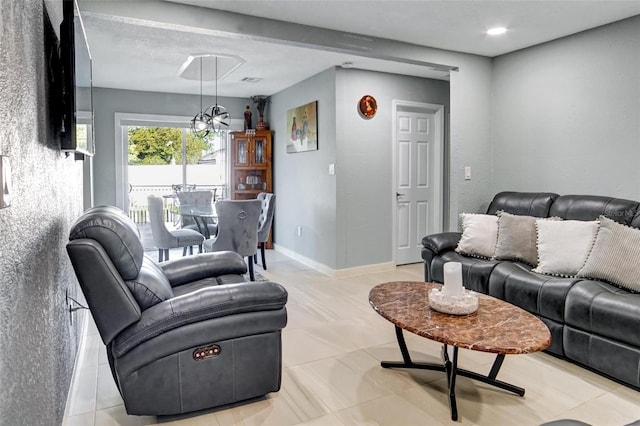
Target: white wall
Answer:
pixel 567 114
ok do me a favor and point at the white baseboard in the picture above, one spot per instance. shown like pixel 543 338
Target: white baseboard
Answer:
pixel 78 363
pixel 336 273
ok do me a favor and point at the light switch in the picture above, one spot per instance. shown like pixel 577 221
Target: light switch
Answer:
pixel 332 169
pixel 467 173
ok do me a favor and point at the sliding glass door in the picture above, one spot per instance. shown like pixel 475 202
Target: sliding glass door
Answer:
pixel 162 160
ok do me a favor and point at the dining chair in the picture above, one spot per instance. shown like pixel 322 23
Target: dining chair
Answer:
pixel 237 229
pixel 196 198
pixel 165 239
pixel 264 223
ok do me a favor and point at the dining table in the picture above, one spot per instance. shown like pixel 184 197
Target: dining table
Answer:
pixel 201 214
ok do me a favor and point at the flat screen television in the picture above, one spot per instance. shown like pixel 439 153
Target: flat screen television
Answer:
pixel 77 87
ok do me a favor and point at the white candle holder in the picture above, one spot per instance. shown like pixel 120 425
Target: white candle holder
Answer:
pixel 464 304
pixel 453 298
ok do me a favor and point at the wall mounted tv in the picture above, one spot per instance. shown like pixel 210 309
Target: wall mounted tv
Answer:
pixel 77 89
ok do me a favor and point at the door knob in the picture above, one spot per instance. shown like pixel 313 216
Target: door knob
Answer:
pixel 398 195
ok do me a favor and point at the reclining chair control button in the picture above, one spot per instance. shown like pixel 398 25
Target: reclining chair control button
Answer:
pixel 207 352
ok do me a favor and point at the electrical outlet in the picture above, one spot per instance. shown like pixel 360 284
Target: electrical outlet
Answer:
pixel 299 231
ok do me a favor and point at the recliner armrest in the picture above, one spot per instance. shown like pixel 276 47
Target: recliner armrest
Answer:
pixel 444 241
pixel 192 268
pixel 201 305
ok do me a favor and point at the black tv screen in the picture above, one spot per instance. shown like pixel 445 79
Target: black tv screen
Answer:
pixel 77 91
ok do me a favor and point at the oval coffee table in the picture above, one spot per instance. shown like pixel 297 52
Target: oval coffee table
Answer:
pixel 497 327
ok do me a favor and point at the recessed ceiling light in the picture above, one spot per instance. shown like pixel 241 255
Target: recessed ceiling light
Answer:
pixel 347 64
pixel 251 79
pixel 497 31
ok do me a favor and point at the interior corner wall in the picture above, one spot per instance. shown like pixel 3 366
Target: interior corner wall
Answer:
pixel 567 114
pixel 471 138
pixel 365 195
pixel 37 342
pixel 306 193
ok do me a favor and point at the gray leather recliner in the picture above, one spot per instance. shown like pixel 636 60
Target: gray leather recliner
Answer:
pixel 181 336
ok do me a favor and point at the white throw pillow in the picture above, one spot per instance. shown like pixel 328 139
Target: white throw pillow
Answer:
pixel 479 235
pixel 615 256
pixel 563 246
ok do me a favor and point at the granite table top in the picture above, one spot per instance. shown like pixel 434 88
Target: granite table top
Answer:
pixel 496 327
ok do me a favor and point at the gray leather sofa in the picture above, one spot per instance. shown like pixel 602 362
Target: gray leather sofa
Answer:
pixel 592 323
pixel 181 336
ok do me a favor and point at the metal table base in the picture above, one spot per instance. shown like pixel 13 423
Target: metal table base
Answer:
pixel 450 367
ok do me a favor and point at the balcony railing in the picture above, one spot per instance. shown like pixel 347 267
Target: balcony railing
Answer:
pixel 138 207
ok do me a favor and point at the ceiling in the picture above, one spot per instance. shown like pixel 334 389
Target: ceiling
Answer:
pixel 141 54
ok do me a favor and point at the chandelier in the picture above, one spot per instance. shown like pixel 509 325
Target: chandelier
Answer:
pixel 213 119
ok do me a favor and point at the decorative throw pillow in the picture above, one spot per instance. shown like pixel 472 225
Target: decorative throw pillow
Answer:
pixel 479 235
pixel 615 256
pixel 563 246
pixel 517 237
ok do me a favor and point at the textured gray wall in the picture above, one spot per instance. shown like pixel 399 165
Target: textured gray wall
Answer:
pixel 37 343
pixel 567 114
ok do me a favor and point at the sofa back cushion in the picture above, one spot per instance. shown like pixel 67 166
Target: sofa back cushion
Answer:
pixel 591 207
pixel 523 203
pixel 116 233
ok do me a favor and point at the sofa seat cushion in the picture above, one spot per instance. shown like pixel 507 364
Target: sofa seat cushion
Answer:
pixel 600 308
pixel 539 294
pixel 475 272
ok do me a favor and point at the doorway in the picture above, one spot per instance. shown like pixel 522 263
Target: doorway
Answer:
pixel 418 146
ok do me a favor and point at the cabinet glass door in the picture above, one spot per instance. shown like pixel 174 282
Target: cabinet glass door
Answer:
pixel 259 152
pixel 241 152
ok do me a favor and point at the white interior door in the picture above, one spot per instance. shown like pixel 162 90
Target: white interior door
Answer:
pixel 418 184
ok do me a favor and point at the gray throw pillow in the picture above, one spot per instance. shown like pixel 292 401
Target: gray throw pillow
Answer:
pixel 615 256
pixel 517 238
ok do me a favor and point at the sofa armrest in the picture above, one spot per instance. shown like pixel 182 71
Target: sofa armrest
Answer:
pixel 201 305
pixel 435 244
pixel 439 243
pixel 192 268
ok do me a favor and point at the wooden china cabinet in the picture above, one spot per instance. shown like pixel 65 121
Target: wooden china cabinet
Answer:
pixel 250 164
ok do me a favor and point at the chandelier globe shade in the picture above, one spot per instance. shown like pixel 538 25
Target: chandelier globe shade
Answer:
pixel 213 119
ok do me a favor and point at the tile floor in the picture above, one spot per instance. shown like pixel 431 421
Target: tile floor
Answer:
pixel 332 347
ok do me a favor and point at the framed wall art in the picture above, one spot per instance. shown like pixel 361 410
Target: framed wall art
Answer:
pixel 303 124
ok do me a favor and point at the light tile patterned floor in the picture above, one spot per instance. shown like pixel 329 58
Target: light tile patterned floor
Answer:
pixel 332 347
